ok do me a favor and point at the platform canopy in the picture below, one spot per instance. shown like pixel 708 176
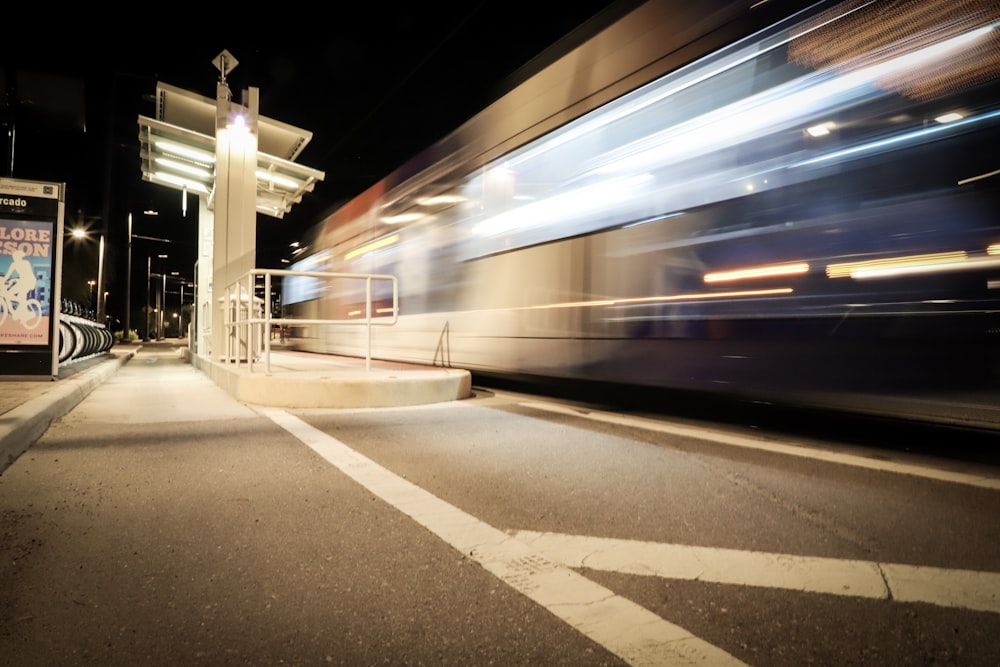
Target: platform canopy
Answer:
pixel 177 150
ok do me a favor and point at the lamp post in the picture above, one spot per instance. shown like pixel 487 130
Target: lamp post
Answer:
pixel 149 274
pixel 149 289
pixel 99 310
pixel 128 284
pixel 163 303
pixel 96 286
pixel 149 262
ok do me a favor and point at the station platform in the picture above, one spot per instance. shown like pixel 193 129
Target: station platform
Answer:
pixel 295 380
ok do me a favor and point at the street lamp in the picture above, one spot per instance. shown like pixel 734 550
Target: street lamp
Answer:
pixel 149 289
pixel 128 297
pixel 149 261
pixel 163 303
pixel 100 284
pixel 128 285
pixel 98 306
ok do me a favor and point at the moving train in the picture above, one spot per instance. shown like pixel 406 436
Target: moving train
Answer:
pixel 763 198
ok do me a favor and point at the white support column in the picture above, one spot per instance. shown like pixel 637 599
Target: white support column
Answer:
pixel 235 231
pixel 205 307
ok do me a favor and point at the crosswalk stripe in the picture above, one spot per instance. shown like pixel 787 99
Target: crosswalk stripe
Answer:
pixel 624 628
pixel 968 589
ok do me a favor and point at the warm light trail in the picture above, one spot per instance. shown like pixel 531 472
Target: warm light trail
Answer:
pixel 797 268
pixel 374 245
pixel 662 298
pixel 865 268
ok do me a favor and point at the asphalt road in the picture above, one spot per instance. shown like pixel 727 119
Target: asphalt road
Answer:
pixel 163 522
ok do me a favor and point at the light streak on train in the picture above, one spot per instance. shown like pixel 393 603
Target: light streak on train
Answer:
pixel 600 221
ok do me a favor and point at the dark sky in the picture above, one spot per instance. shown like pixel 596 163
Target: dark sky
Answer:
pixel 374 85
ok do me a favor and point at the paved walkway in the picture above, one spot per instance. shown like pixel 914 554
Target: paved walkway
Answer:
pixel 295 379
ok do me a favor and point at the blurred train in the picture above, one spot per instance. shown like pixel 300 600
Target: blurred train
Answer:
pixel 754 198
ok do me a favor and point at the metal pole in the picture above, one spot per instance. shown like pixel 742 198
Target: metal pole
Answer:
pixel 368 322
pixel 128 284
pixel 267 322
pixel 163 304
pixel 100 283
pixel 149 264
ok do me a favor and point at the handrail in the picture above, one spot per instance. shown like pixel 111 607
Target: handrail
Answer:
pixel 235 322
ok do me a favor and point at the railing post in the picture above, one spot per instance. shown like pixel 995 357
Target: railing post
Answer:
pixel 240 333
pixel 227 326
pixel 251 276
pixel 368 322
pixel 267 321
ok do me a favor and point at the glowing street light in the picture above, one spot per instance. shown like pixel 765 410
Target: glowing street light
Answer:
pixel 96 301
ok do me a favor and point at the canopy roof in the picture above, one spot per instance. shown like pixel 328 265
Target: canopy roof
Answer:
pixel 177 150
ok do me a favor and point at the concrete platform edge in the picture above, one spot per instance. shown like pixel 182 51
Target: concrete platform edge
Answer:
pixel 366 390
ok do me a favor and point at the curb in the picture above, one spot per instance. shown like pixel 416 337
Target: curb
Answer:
pixel 22 426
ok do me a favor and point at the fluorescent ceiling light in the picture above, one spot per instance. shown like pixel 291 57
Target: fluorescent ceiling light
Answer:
pixel 173 179
pixel 184 167
pixel 184 151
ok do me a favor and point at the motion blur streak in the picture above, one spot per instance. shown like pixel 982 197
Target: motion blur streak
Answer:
pixel 592 223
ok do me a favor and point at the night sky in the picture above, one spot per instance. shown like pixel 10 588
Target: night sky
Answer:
pixel 375 86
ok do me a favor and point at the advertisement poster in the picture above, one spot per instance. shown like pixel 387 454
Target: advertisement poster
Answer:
pixel 26 253
pixel 31 227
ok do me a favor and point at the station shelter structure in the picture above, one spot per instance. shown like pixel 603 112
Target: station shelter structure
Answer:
pixel 238 164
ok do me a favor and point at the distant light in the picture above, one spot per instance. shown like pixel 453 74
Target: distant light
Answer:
pixel 949 117
pixel 150 211
pixel 79 233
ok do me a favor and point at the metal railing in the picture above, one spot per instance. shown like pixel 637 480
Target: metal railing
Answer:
pixel 243 319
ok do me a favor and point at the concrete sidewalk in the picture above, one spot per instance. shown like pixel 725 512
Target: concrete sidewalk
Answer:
pixel 28 404
pixel 295 380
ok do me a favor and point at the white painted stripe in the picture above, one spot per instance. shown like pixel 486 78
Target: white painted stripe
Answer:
pixel 752 443
pixel 624 628
pixel 967 589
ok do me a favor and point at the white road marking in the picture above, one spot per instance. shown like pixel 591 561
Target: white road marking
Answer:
pixel 967 589
pixel 763 445
pixel 626 629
